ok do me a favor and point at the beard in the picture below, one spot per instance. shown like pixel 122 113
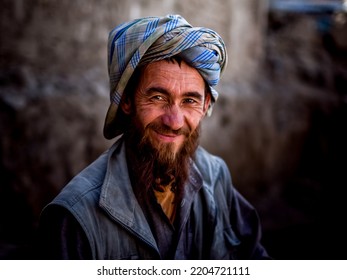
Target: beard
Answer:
pixel 152 162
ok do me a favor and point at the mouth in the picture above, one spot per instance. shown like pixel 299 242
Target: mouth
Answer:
pixel 167 137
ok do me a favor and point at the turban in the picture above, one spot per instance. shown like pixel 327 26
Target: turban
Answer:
pixel 145 40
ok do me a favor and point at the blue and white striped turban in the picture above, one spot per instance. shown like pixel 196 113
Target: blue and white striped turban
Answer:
pixel 145 40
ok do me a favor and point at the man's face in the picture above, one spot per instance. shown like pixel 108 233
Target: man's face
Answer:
pixel 169 103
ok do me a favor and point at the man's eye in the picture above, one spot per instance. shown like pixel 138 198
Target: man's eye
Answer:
pixel 157 97
pixel 189 101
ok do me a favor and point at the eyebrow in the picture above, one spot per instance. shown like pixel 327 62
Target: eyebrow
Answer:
pixel 162 90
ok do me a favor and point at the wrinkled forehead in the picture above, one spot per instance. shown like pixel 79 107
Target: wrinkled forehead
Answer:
pixel 170 73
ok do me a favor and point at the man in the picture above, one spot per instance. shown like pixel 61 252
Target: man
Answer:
pixel 155 194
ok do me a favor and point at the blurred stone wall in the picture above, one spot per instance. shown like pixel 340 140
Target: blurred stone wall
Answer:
pixel 279 119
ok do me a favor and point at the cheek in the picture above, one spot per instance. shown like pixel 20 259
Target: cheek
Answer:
pixel 194 120
pixel 146 116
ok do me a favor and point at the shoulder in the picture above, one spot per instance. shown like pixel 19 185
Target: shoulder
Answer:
pixel 216 178
pixel 85 183
pixel 211 167
pixel 79 198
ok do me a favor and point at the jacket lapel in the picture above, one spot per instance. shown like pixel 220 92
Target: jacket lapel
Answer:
pixel 118 199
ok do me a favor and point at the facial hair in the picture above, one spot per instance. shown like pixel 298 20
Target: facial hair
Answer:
pixel 152 162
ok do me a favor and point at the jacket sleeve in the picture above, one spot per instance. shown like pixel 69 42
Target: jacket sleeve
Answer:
pixel 248 228
pixel 60 237
pixel 244 220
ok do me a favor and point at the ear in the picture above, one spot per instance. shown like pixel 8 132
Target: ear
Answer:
pixel 126 105
pixel 207 102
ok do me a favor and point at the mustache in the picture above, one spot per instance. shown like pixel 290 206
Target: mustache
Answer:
pixel 163 129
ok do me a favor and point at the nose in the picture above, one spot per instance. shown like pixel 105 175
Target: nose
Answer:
pixel 173 117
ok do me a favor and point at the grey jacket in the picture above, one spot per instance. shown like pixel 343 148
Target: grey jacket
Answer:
pixel 219 223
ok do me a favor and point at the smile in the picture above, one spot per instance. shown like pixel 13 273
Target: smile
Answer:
pixel 167 137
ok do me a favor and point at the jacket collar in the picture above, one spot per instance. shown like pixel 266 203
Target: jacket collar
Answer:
pixel 118 199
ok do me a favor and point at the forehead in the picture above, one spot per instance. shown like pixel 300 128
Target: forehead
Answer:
pixel 172 74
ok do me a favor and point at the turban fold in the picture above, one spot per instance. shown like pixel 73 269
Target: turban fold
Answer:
pixel 145 40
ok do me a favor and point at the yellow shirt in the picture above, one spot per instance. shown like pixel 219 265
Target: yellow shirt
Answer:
pixel 166 198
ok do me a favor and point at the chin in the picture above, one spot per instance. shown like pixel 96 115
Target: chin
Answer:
pixel 168 151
